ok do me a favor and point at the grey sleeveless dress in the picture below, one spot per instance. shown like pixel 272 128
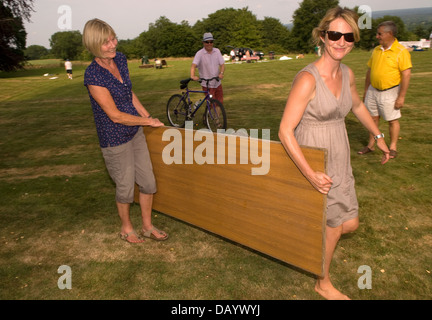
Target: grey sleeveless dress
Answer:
pixel 323 126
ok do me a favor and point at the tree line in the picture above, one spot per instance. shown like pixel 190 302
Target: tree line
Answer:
pixel 164 38
pixel 12 32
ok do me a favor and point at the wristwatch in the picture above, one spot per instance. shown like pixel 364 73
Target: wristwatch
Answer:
pixel 381 135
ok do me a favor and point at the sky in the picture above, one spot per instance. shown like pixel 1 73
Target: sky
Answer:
pixel 131 17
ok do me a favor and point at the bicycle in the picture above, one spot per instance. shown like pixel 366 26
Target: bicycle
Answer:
pixel 181 109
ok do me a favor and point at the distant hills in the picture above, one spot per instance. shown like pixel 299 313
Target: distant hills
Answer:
pixel 411 17
pixel 414 12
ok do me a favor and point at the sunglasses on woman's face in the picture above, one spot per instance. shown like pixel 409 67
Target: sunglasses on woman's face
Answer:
pixel 335 36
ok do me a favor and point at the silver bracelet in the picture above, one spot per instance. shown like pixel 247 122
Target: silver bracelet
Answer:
pixel 381 135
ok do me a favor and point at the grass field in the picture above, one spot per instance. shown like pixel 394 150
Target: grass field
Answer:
pixel 58 204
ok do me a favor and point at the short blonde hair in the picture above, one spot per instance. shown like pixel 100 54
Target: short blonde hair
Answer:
pixel 348 15
pixel 95 33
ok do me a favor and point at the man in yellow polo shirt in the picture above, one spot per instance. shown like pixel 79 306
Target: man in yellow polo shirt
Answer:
pixel 387 81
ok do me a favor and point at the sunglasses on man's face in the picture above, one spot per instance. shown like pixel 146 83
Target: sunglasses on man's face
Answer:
pixel 335 36
pixel 208 42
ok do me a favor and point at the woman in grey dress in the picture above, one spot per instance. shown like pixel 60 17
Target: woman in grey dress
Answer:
pixel 321 96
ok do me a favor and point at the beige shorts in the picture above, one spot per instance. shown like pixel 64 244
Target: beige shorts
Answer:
pixel 381 103
pixel 129 163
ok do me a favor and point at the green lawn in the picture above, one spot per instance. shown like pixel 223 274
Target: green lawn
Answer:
pixel 58 204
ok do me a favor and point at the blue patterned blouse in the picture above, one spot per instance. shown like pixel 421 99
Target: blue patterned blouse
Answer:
pixel 112 134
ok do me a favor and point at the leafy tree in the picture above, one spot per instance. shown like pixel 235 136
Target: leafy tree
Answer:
pixel 175 40
pixel 246 30
pixel 85 55
pixel 66 44
pixel 421 32
pixel 275 34
pixel 167 39
pixel 130 48
pixel 19 8
pixel 232 27
pixel 306 18
pixel 36 52
pixel 368 37
pixel 219 24
pixel 12 33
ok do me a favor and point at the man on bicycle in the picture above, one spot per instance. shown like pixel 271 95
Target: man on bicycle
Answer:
pixel 210 64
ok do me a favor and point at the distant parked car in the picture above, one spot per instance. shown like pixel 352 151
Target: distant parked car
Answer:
pixel 259 54
pixel 240 52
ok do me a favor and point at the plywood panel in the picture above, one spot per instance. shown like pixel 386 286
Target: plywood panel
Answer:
pixel 278 213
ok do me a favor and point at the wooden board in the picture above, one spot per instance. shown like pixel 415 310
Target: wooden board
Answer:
pixel 278 213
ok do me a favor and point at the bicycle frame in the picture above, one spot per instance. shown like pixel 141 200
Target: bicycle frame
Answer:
pixel 189 102
pixel 186 96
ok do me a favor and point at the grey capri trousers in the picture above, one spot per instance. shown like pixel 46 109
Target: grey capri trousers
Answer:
pixel 129 163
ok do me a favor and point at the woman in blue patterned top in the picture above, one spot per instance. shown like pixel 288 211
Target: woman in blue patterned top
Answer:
pixel 119 116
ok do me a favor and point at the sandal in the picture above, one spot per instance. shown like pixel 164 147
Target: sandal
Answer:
pixel 393 154
pixel 149 234
pixel 365 150
pixel 125 237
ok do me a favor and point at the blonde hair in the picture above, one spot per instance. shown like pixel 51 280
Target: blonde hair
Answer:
pixel 95 33
pixel 348 15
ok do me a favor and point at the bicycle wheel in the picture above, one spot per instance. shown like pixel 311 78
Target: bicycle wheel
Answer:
pixel 177 110
pixel 215 115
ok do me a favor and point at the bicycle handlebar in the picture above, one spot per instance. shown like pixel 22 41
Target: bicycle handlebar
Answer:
pixel 208 80
pixel 184 83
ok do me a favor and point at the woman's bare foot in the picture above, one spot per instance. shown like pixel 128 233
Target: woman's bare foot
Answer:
pixel 329 292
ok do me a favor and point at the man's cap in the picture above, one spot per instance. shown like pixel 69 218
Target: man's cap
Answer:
pixel 208 36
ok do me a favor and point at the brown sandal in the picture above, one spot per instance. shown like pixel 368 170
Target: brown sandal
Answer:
pixel 365 150
pixel 149 234
pixel 393 154
pixel 125 237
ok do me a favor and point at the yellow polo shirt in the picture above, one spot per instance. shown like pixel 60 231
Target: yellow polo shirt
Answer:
pixel 386 65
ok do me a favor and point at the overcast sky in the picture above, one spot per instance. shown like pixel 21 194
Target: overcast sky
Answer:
pixel 131 17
